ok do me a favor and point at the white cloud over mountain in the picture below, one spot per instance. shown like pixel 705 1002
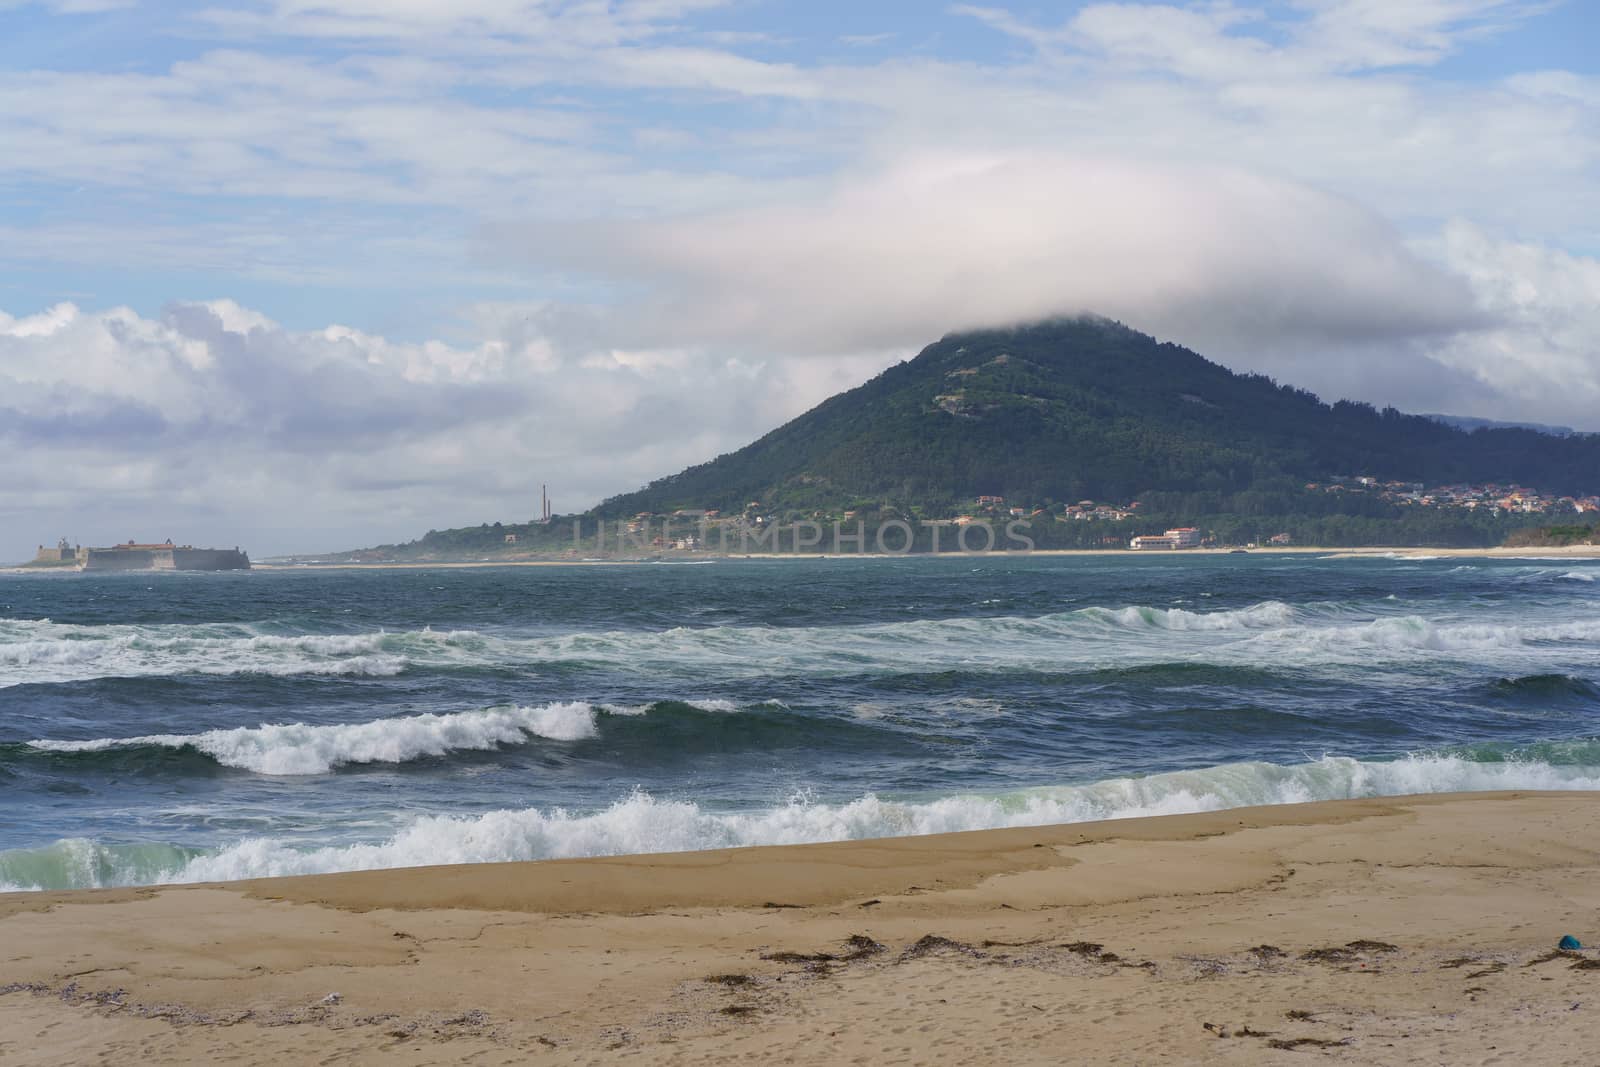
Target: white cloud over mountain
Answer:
pixel 945 242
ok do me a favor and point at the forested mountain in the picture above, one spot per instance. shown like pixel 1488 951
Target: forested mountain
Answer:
pixel 1090 409
pixel 1467 422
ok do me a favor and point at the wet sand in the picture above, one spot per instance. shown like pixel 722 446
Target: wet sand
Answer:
pixel 1417 930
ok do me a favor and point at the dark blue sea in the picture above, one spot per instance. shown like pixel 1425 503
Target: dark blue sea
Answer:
pixel 181 727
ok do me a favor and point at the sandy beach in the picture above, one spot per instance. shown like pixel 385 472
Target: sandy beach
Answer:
pixel 1417 930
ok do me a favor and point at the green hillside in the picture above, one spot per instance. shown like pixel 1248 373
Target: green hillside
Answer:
pixel 1089 409
pixel 1054 414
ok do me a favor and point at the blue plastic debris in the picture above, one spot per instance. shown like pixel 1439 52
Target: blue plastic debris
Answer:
pixel 1570 944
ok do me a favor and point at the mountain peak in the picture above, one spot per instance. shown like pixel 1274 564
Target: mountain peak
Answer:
pixel 1085 407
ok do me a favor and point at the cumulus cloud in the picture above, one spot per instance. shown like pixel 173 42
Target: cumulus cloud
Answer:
pixel 1541 354
pixel 204 373
pixel 214 418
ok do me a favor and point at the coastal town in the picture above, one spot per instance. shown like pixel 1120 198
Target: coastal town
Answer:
pixel 1343 510
pixel 1489 497
pixel 1485 498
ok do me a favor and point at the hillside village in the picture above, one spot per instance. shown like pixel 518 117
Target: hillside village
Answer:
pixel 1494 499
pixel 1489 498
pixel 707 529
pixel 1492 512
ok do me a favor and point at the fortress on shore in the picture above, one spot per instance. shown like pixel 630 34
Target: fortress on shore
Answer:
pixel 134 556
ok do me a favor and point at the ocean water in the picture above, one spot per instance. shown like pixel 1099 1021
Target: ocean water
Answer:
pixel 183 727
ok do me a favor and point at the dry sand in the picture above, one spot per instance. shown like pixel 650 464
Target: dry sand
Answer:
pixel 1416 930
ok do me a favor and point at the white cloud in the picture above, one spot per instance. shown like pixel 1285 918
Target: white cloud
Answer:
pixel 216 419
pixel 1358 34
pixel 947 242
pixel 1259 273
pixel 1541 358
pixel 1225 42
pixel 431 113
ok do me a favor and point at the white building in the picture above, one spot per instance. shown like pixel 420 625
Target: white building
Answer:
pixel 1178 537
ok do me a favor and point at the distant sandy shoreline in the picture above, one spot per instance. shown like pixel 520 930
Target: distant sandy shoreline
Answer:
pixel 1409 930
pixel 1572 552
pixel 1567 552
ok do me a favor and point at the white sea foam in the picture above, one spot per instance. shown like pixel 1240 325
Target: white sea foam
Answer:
pixel 640 823
pixel 299 748
pixel 1258 616
pixel 1413 633
pixel 49 661
pixel 1304 635
pixel 50 652
pixel 367 666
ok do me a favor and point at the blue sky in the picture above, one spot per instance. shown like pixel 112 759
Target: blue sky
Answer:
pixel 637 214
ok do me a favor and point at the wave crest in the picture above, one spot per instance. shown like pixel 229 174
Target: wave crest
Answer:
pixel 1309 634
pixel 299 748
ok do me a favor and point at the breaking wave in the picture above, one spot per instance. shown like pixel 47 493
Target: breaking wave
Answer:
pixel 640 823
pixel 300 749
pixel 1413 633
pixel 51 652
pixel 1269 632
pixel 43 652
